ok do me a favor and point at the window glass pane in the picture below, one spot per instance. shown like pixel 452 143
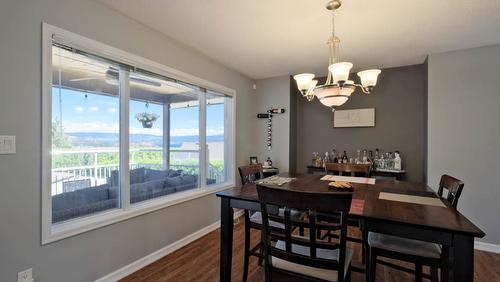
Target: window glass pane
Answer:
pixel 163 137
pixel 85 135
pixel 216 107
pixel 184 138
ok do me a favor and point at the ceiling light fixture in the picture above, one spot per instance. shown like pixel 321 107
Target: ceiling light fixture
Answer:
pixel 338 88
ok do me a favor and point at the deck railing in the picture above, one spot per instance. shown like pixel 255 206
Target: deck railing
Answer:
pixel 98 174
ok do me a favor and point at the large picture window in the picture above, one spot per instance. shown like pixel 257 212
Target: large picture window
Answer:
pixel 125 139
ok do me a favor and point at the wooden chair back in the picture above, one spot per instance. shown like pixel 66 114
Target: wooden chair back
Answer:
pixel 314 204
pixel 250 173
pixel 454 187
pixel 352 169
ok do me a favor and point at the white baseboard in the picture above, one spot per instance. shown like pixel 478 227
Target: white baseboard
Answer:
pixel 144 261
pixel 487 247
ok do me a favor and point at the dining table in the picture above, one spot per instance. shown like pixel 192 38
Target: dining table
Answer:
pixel 441 224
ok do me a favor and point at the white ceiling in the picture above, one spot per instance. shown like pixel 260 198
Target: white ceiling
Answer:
pixel 265 38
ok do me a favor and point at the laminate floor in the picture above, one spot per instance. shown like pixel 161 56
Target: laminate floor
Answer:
pixel 199 261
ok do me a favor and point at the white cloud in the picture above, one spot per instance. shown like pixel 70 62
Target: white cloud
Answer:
pixel 215 131
pixel 152 131
pixel 184 131
pixel 94 109
pixel 91 127
pixel 112 110
pixel 79 109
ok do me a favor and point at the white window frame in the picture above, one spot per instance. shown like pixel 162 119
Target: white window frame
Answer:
pixel 54 232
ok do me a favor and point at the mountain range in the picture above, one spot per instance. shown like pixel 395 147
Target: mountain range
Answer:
pixel 99 139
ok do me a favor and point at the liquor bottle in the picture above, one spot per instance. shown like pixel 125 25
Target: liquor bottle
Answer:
pixel 382 161
pixel 344 158
pixel 376 159
pixel 389 160
pixel 333 157
pixel 339 158
pixel 365 157
pixel 397 160
pixel 358 156
pixel 326 159
pixel 370 157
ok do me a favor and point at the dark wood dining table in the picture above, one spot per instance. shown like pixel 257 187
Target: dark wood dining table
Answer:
pixel 442 225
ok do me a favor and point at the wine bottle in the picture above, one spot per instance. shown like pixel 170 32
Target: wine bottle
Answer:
pixel 344 158
pixel 276 111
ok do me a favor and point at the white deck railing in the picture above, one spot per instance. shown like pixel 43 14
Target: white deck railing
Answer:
pixel 98 174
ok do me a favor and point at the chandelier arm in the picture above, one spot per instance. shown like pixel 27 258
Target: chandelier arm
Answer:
pixel 364 89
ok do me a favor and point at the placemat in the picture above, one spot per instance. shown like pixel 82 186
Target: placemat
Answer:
pixel 430 201
pixel 352 179
pixel 275 180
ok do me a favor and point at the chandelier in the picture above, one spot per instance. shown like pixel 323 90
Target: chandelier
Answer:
pixel 338 88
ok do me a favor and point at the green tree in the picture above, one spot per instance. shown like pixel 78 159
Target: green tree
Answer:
pixel 59 139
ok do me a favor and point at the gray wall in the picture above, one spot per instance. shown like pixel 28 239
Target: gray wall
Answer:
pixel 464 130
pixel 399 102
pixel 273 93
pixel 94 254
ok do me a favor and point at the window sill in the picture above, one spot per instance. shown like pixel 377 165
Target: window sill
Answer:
pixel 74 227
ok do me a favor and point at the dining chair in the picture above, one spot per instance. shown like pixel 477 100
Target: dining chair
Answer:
pixel 453 186
pixel 250 174
pixel 362 170
pixel 414 251
pixel 304 258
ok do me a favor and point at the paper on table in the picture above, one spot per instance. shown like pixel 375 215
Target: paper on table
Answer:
pixel 352 179
pixel 430 201
pixel 357 206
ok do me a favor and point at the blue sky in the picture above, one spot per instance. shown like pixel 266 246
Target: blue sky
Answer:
pixel 100 113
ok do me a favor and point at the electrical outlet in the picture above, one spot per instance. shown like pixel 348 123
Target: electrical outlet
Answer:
pixel 25 276
pixel 7 144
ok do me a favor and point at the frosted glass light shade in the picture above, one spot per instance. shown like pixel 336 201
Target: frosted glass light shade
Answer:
pixel 340 71
pixel 304 81
pixel 312 85
pixel 347 91
pixel 327 91
pixel 369 77
pixel 334 91
pixel 334 101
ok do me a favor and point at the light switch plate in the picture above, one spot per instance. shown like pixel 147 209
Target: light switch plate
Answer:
pixel 25 276
pixel 7 144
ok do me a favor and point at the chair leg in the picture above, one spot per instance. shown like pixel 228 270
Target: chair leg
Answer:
pixel 366 250
pixel 372 266
pixel 445 258
pixel 247 247
pixel 318 234
pixel 348 275
pixel 367 261
pixel 418 272
pixel 261 250
pixel 434 274
pixel 444 274
pixel 301 231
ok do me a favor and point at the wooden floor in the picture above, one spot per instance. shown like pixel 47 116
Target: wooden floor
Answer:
pixel 199 261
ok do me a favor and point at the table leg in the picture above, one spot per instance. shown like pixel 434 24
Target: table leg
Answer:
pixel 462 261
pixel 226 239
